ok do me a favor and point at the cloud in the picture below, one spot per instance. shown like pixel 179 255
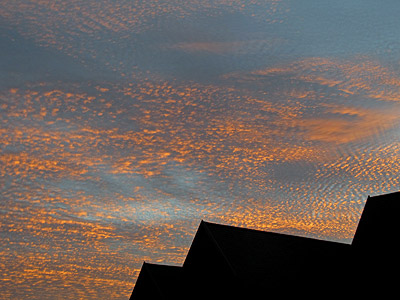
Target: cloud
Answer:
pixel 238 47
pixel 344 124
pixel 356 76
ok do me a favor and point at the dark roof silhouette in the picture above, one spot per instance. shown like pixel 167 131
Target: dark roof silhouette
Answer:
pixel 158 281
pixel 227 262
pixel 379 223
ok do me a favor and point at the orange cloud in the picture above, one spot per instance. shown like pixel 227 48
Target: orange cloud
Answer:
pixel 360 75
pixel 344 124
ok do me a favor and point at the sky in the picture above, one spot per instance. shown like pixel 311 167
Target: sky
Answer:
pixel 124 123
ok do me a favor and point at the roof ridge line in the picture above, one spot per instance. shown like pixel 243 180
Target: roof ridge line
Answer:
pixel 274 233
pixel 209 233
pixel 384 195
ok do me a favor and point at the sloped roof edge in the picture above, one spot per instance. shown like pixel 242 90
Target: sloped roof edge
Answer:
pixel 264 232
pixel 378 221
pixel 206 226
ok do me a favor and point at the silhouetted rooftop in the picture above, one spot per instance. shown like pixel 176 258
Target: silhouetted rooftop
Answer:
pixel 227 262
pixel 379 223
pixel 248 251
pixel 158 281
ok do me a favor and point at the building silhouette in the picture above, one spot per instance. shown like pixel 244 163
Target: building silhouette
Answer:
pixel 226 262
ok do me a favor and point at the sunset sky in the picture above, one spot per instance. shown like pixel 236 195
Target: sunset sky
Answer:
pixel 124 123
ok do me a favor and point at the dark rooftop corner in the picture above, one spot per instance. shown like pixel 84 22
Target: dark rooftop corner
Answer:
pixel 226 262
pixel 157 281
pixel 378 224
